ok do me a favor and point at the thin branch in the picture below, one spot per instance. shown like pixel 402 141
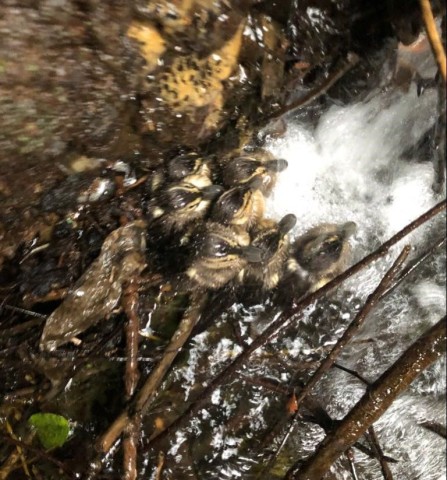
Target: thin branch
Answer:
pixel 39 453
pixel 355 325
pixel 375 445
pixel 130 449
pixel 22 327
pixel 130 304
pixel 409 269
pixel 147 393
pixel 288 316
pixel 350 456
pixel 351 60
pixel 349 333
pixel 352 372
pixel 433 37
pixel 131 376
pixel 435 428
pixel 376 400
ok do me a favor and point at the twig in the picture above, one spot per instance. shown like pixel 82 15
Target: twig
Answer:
pixel 352 372
pixel 350 456
pixel 355 325
pixel 286 317
pixel 351 60
pixel 160 465
pixel 408 270
pixel 39 453
pixel 439 141
pixel 433 37
pixel 130 304
pixel 435 428
pixel 421 354
pixel 130 449
pixel 147 394
pixel 22 327
pixel 375 445
pixel 131 376
pixel 25 311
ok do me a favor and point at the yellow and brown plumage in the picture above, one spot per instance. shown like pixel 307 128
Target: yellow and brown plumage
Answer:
pixel 220 254
pixel 185 99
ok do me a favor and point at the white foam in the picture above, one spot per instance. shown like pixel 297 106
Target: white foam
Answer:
pixel 350 167
pixel 355 166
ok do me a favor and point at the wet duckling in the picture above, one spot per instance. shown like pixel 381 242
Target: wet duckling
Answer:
pixel 190 168
pixel 180 204
pixel 242 170
pixel 241 206
pixel 322 253
pixel 221 253
pixel 272 238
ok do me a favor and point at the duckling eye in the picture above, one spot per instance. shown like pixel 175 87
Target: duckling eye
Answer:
pixel 181 198
pixel 331 247
pixel 217 247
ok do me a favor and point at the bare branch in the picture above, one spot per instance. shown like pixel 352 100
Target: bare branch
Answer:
pixel 375 445
pixel 349 333
pixel 286 317
pixel 147 393
pixel 378 397
pixel 433 37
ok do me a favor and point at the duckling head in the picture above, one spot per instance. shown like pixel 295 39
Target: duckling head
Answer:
pixel 190 168
pixel 324 252
pixel 243 205
pixel 242 170
pixel 220 254
pixel 182 203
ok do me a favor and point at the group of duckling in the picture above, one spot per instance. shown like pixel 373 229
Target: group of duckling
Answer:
pixel 215 207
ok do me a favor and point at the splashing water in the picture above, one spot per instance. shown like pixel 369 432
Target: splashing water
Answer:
pixel 351 167
pixel 357 164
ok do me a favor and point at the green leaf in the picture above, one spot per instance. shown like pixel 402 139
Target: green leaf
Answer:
pixel 52 429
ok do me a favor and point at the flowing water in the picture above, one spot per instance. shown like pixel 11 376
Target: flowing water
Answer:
pixel 359 165
pixel 366 162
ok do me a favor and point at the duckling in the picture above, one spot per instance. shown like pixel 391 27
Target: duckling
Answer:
pixel 190 168
pixel 241 170
pixel 323 253
pixel 272 238
pixel 221 253
pixel 240 206
pixel 182 203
